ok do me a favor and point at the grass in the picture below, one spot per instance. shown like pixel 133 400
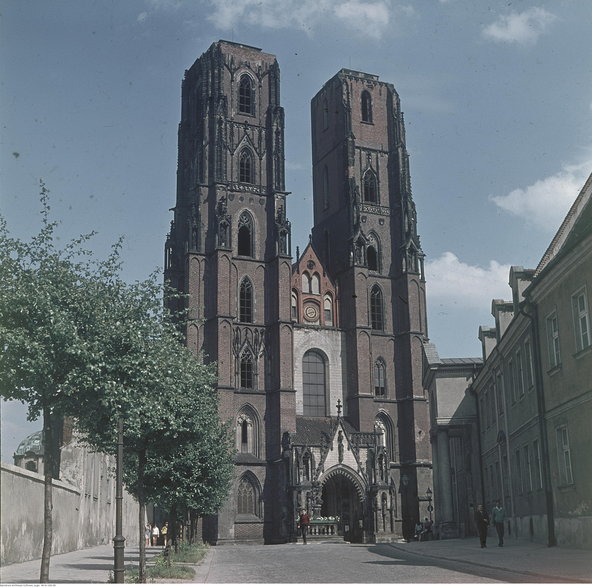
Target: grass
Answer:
pixel 159 569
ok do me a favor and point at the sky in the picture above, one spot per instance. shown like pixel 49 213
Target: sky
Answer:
pixel 497 98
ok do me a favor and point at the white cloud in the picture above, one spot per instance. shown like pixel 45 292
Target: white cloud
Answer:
pixel 450 282
pixel 142 16
pixel 523 28
pixel 365 17
pixel 545 202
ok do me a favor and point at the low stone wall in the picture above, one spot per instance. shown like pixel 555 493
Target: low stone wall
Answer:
pixel 82 517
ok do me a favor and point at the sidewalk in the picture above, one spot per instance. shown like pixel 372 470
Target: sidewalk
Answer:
pixel 91 565
pixel 565 565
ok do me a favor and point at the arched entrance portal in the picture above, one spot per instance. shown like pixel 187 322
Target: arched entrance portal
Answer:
pixel 341 498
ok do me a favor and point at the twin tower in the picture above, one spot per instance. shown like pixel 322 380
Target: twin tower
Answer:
pixel 319 356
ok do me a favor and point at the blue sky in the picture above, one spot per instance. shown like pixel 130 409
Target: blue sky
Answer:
pixel 497 99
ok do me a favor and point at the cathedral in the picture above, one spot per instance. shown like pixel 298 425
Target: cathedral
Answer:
pixel 319 352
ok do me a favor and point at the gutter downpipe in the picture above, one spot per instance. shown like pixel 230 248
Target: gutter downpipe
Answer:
pixel 540 393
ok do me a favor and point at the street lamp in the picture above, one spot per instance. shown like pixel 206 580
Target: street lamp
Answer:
pixel 430 507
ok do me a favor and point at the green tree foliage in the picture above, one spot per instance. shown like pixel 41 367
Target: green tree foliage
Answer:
pixel 78 341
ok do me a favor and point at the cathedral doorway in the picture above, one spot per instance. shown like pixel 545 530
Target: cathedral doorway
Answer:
pixel 341 498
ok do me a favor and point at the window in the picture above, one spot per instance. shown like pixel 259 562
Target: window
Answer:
pixel 372 258
pixel 245 167
pixel 526 469
pixel 314 384
pixel 247 431
pixel 553 340
pixel 328 310
pixel 247 497
pixel 379 378
pixel 245 309
pixel 528 366
pixel 376 309
pixel 244 436
pixel 325 114
pixel 564 456
pixel 487 411
pixel 499 392
pixel 581 320
pixel 370 187
pixel 536 454
pixel 325 188
pixel 315 284
pixel 246 370
pixel 384 429
pixel 519 476
pixel 307 466
pixel 519 375
pixel 366 106
pixel 245 233
pixel 246 103
pixel 306 285
pixel 294 313
pixel 511 380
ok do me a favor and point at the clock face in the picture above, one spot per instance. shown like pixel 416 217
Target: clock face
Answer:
pixel 311 313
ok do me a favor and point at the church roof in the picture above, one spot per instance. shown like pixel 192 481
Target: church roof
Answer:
pixel 32 443
pixel 309 431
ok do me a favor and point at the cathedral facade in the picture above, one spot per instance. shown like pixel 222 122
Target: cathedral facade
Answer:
pixel 319 353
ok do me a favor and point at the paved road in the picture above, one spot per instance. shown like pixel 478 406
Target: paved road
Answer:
pixel 325 563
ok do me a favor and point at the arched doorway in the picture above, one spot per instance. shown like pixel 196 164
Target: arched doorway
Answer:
pixel 341 498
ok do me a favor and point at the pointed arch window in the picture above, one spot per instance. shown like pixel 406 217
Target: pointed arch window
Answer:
pixel 384 431
pixel 328 310
pixel 246 102
pixel 246 172
pixel 314 384
pixel 315 284
pixel 247 432
pixel 245 235
pixel 247 497
pixel 306 283
pixel 370 187
pixel 246 370
pixel 294 307
pixel 372 258
pixel 379 378
pixel 376 309
pixel 245 301
pixel 366 106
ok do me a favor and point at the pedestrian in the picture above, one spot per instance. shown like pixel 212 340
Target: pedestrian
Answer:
pixel 147 534
pixel 427 528
pixel 498 515
pixel 164 532
pixel 155 535
pixel 303 524
pixel 418 531
pixel 482 521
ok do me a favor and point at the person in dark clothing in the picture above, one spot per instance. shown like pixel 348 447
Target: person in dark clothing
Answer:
pixel 482 522
pixel 303 524
pixel 498 515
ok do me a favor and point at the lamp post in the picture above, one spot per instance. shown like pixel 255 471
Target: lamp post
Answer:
pixel 430 507
pixel 119 540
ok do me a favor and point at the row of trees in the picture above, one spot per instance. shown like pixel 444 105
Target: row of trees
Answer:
pixel 79 342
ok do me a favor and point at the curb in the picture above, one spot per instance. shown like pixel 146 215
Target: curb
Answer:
pixel 495 568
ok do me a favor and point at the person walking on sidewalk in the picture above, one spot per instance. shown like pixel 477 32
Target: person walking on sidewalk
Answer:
pixel 303 524
pixel 482 521
pixel 498 515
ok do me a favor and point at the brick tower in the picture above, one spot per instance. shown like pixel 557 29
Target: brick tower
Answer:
pixel 229 249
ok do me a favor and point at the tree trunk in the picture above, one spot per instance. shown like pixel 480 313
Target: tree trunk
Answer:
pixel 48 501
pixel 142 516
pixel 174 526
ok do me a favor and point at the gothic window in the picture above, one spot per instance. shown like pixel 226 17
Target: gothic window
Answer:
pixel 379 378
pixel 245 235
pixel 294 310
pixel 246 103
pixel 328 310
pixel 366 107
pixel 247 431
pixel 384 430
pixel 376 309
pixel 325 187
pixel 246 173
pixel 246 370
pixel 315 284
pixel 306 283
pixel 307 467
pixel 372 258
pixel 370 187
pixel 314 384
pixel 245 303
pixel 247 497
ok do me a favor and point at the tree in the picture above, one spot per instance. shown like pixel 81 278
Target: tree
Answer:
pixel 44 300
